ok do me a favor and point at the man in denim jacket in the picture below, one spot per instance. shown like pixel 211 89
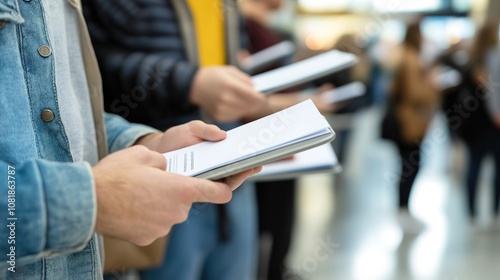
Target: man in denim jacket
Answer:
pixel 57 185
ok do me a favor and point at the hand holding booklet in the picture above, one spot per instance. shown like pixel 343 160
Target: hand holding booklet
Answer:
pixel 290 131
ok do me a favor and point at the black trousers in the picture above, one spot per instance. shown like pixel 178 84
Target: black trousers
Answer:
pixel 276 201
pixel 409 153
pixel 485 144
pixel 410 165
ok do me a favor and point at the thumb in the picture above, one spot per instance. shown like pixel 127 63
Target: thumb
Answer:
pixel 208 132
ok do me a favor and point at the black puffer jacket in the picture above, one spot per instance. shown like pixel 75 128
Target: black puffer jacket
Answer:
pixel 144 62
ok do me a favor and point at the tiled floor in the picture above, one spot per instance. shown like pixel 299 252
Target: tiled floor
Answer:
pixel 346 225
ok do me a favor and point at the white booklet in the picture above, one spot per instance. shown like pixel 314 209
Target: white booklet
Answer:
pixel 345 92
pixel 321 159
pixel 287 132
pixel 268 56
pixel 303 71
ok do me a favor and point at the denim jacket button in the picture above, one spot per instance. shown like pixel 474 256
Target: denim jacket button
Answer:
pixel 47 115
pixel 44 51
pixel 2 24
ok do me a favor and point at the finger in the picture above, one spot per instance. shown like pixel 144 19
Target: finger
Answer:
pixel 149 158
pixel 157 160
pixel 247 93
pixel 257 169
pixel 233 110
pixel 233 102
pixel 325 87
pixel 241 76
pixel 211 192
pixel 208 132
pixel 230 108
pixel 236 180
pixel 242 55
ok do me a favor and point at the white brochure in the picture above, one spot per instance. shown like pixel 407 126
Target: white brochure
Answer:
pixel 268 56
pixel 303 71
pixel 268 139
pixel 321 159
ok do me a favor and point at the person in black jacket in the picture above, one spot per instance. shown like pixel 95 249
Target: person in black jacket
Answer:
pixel 150 64
pixel 472 120
pixel 154 65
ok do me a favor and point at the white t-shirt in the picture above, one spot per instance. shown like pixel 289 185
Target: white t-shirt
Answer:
pixel 71 80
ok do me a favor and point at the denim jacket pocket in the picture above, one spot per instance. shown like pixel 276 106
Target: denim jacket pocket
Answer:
pixel 9 12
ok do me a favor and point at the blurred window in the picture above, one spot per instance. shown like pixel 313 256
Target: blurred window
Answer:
pixel 431 6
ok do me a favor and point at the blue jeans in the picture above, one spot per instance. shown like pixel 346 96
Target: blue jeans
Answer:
pixel 196 250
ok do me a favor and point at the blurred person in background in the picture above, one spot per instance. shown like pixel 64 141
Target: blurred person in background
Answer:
pixel 413 101
pixel 360 72
pixel 478 120
pixel 276 199
pixel 165 62
pixel 457 58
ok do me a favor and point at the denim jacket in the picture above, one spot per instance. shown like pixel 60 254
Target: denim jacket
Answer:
pixel 47 201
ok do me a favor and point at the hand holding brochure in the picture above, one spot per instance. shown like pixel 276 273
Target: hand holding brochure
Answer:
pixel 303 71
pixel 268 139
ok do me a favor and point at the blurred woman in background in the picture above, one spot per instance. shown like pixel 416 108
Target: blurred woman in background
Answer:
pixel 413 100
pixel 480 129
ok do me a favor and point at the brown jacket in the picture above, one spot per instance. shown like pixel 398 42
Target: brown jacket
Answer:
pixel 415 96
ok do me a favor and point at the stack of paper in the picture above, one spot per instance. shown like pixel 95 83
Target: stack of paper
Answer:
pixel 303 71
pixel 268 56
pixel 321 159
pixel 295 129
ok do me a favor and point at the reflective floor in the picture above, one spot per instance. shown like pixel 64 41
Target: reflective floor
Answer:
pixel 346 226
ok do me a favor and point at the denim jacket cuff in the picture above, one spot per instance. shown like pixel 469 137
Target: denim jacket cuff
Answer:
pixel 71 205
pixel 122 134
